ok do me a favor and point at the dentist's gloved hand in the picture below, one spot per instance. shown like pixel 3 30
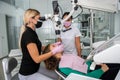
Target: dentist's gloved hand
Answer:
pixel 58 49
pixel 57 43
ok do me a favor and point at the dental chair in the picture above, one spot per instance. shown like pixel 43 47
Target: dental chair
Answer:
pixel 9 64
pixel 105 52
pixel 72 76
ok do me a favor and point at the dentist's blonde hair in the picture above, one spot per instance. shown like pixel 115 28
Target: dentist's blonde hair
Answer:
pixel 29 13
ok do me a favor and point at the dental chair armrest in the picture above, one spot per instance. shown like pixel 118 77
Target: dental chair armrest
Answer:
pixel 73 76
pixel 61 74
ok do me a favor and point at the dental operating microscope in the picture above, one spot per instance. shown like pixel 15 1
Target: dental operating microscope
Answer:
pixel 58 22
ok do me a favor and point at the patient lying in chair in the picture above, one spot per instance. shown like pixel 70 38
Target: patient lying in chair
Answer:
pixel 70 63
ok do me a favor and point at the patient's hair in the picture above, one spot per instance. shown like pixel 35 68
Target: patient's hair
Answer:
pixel 52 62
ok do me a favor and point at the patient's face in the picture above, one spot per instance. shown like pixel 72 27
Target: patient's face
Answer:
pixel 58 55
pixel 52 46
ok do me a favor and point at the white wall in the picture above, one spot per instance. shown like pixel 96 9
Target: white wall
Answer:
pixel 44 6
pixel 117 23
pixel 119 5
pixel 24 4
pixel 11 11
pixel 6 9
pixel 3 37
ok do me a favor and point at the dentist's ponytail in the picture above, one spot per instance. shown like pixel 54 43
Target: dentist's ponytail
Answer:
pixel 29 13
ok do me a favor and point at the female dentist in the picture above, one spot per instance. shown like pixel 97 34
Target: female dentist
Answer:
pixel 31 48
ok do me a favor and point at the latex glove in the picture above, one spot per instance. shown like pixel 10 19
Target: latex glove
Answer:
pixel 58 49
pixel 57 43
